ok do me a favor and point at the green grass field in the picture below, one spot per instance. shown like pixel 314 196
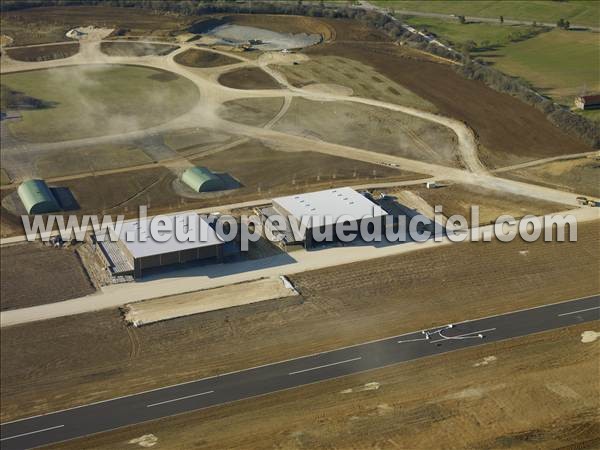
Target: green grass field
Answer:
pixel 483 34
pixel 578 12
pixel 558 63
pixel 96 100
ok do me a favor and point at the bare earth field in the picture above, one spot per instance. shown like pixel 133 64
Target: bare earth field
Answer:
pixel 202 59
pixel 264 172
pixel 26 280
pixel 135 49
pixel 234 295
pixel 371 128
pixel 278 23
pixel 96 100
pixel 364 80
pixel 513 131
pixel 577 175
pixel 89 159
pixel 534 392
pixel 49 24
pixel 261 171
pixel 195 139
pixel 248 78
pixel 44 53
pixel 251 111
pixel 74 360
pixel 458 198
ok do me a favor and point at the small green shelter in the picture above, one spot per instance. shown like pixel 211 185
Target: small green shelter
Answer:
pixel 200 179
pixel 37 197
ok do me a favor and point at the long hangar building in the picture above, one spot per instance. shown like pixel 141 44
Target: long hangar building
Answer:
pixel 328 207
pixel 136 252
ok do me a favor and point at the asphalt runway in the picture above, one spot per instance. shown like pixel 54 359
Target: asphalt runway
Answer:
pixel 155 404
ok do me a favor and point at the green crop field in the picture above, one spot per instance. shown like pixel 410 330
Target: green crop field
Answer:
pixel 483 34
pixel 559 63
pixel 94 100
pixel 579 12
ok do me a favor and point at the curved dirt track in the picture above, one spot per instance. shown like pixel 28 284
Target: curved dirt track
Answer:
pixel 213 95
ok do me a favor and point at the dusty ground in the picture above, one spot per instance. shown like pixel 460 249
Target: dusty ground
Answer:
pixel 363 80
pixel 251 111
pixel 191 140
pixel 135 48
pixel 95 100
pixel 49 24
pixel 577 175
pixel 47 371
pixel 26 280
pixel 512 131
pixel 534 392
pixel 290 172
pixel 44 53
pixel 92 158
pixel 124 192
pixel 281 24
pixel 457 199
pixel 248 78
pixel 234 295
pixel 202 59
pixel 371 128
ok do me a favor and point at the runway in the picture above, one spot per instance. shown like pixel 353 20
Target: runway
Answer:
pixel 203 393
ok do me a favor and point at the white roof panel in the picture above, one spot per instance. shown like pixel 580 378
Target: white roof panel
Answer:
pixel 137 236
pixel 332 203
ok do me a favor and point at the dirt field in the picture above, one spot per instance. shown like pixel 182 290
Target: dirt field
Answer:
pixel 251 111
pixel 235 295
pixel 248 78
pixel 44 53
pixel 368 127
pixel 95 100
pixel 362 79
pixel 119 193
pixel 281 24
pixel 111 359
pixel 534 392
pixel 457 199
pixel 577 175
pixel 195 139
pixel 262 172
pixel 42 25
pixel 199 58
pixel 26 280
pixel 92 159
pixel 513 131
pixel 135 49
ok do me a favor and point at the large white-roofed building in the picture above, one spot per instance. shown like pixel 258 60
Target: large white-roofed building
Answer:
pixel 325 209
pixel 141 246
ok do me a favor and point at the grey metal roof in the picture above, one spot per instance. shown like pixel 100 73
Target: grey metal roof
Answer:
pixel 338 204
pixel 137 236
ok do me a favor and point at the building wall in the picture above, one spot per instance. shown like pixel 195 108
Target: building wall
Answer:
pixel 309 241
pixel 179 257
